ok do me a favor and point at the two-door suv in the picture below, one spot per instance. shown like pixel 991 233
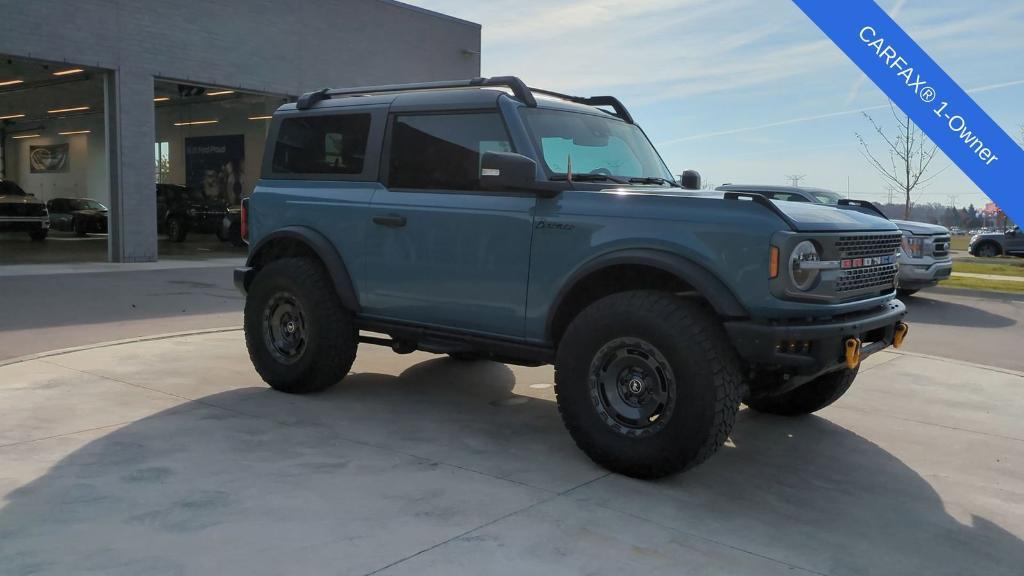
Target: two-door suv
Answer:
pixel 486 219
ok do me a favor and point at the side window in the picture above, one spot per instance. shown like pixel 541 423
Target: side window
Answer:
pixel 334 144
pixel 442 151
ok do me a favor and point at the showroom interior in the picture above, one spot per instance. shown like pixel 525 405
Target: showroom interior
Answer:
pixel 141 146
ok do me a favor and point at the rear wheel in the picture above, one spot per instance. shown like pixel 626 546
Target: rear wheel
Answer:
pixel 647 383
pixel 810 397
pixel 299 336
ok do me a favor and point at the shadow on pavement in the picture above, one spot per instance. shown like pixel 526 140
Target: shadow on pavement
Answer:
pixel 926 310
pixel 255 479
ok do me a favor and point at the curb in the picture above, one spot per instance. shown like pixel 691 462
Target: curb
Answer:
pixel 954 361
pixel 62 351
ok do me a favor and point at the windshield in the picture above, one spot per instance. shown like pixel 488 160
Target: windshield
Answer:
pixel 825 197
pixel 89 205
pixel 593 145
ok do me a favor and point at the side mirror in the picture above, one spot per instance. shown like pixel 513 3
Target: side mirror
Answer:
pixel 690 179
pixel 507 171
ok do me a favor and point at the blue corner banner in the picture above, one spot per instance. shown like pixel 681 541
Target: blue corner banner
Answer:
pixel 919 87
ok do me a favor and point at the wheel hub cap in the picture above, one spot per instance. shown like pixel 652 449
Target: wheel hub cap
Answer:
pixel 284 328
pixel 632 386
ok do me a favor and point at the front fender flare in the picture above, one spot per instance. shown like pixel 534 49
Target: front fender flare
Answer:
pixel 327 253
pixel 703 280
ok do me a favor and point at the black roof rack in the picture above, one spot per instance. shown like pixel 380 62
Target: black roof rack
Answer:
pixel 620 109
pixel 519 89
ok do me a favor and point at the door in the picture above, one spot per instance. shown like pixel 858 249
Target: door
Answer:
pixel 441 252
pixel 1014 241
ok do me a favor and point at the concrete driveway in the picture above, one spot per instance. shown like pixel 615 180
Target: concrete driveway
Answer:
pixel 171 457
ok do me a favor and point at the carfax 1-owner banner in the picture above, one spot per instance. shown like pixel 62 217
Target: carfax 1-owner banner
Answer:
pixel 915 83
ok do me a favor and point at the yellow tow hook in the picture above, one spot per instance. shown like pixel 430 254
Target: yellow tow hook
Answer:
pixel 900 334
pixel 852 346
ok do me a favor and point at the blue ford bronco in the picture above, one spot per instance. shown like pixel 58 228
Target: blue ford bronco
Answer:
pixel 487 220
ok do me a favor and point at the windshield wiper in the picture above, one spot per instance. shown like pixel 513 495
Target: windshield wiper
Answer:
pixel 652 180
pixel 587 177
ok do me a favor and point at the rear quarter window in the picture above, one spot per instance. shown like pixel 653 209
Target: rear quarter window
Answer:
pixel 333 144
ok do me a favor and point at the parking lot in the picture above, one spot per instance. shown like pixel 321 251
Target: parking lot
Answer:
pixel 171 456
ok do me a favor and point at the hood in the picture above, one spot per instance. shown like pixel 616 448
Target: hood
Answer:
pixel 804 216
pixel 826 218
pixel 920 227
pixel 18 199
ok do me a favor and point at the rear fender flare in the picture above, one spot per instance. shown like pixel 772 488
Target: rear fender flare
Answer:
pixel 324 249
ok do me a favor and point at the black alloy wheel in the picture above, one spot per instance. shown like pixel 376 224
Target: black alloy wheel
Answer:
pixel 632 387
pixel 284 328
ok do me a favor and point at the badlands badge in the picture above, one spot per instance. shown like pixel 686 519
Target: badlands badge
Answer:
pixel 863 262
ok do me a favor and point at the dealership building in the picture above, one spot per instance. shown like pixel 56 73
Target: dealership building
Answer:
pixel 104 99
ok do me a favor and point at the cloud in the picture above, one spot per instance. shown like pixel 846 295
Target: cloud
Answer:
pixel 823 116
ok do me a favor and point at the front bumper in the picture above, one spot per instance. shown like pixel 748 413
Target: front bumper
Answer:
pixel 809 349
pixel 925 274
pixel 24 223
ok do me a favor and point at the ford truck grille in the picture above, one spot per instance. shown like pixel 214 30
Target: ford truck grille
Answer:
pixel 870 277
pixel 871 245
pixel 940 246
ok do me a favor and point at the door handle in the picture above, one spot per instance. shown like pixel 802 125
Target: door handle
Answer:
pixel 391 220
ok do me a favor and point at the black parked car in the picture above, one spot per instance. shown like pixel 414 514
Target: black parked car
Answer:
pixel 78 215
pixel 180 210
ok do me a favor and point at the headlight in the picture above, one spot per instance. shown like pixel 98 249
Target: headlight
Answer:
pixel 803 275
pixel 913 246
pixel 191 211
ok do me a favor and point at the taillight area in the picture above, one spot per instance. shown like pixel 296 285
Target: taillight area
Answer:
pixel 244 224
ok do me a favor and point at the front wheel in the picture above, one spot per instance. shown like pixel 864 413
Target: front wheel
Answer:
pixel 299 336
pixel 809 397
pixel 39 235
pixel 647 383
pixel 987 250
pixel 906 292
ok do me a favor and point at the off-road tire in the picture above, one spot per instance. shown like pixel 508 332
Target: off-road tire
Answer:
pixel 331 337
pixel 808 398
pixel 906 292
pixel 38 235
pixel 704 368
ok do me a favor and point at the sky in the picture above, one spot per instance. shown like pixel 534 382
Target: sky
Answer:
pixel 751 91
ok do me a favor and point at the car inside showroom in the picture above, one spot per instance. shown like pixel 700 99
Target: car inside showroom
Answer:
pixel 122 142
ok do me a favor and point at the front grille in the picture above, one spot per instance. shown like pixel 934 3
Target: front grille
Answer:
pixel 869 245
pixel 863 278
pixel 940 246
pixel 22 210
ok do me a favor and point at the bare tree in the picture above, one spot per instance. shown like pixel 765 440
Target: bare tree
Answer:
pixel 910 155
